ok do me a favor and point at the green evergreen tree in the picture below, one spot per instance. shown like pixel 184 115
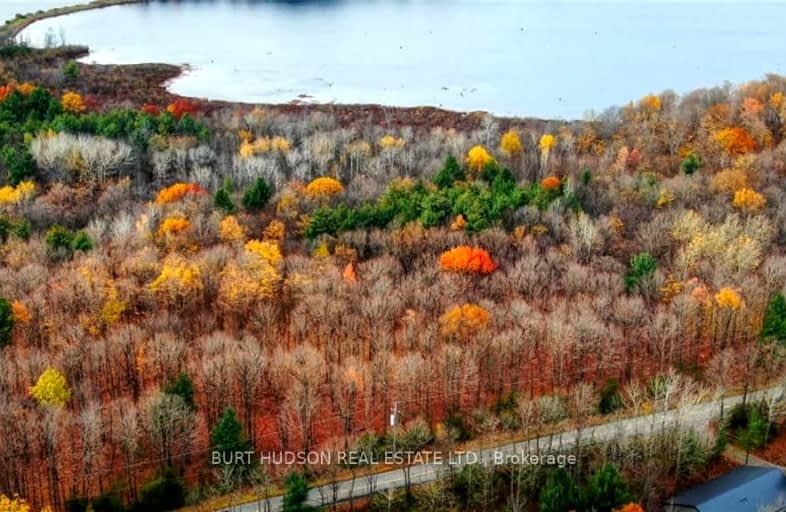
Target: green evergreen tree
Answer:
pixel 82 242
pixel 256 197
pixel 6 322
pixel 76 504
pixel 610 399
pixel 5 229
pixel 163 493
pixel 606 490
pixel 755 434
pixel 223 198
pixel 22 229
pixel 324 221
pixel 183 387
pixel 642 269
pixel 71 71
pixel 774 324
pixel 19 164
pixel 296 493
pixel 227 435
pixel 59 238
pixel 62 242
pixel 227 438
pixel 560 493
pixel 691 163
pixel 108 502
pixel 436 210
pixel 450 173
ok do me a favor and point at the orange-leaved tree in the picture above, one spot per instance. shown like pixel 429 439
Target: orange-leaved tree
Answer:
pixel 20 313
pixel 149 108
pixel 650 103
pixel 349 274
pixel 181 107
pixel 472 260
pixel 5 90
pixel 173 226
pixel 630 507
pixel 734 140
pixel 550 183
pixel 73 102
pixel 178 191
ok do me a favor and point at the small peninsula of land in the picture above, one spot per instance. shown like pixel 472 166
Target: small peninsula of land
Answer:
pixel 14 26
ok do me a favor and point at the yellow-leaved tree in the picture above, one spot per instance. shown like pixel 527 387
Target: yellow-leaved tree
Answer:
pixel 174 231
pixel 113 308
pixel 464 320
pixel 230 230
pixel 477 157
pixel 276 230
pixel 391 142
pixel 324 187
pixel 511 144
pixel 51 389
pixel 266 251
pixel 249 147
pixel 255 276
pixel 25 88
pixel 650 103
pixel 13 504
pixel 728 298
pixel 547 141
pixel 748 200
pixel 19 194
pixel 730 302
pixel 729 181
pixel 178 280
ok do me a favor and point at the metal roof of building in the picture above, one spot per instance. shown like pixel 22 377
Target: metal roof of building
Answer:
pixel 746 489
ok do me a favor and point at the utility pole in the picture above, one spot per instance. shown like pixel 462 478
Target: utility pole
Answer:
pixel 393 421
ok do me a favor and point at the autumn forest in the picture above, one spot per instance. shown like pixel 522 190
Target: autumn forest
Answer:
pixel 176 274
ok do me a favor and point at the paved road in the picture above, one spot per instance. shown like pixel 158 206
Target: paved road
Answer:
pixel 740 456
pixel 696 417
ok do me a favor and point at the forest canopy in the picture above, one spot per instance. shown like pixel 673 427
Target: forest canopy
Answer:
pixel 175 277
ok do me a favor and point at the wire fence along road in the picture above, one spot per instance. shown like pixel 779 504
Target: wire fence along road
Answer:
pixel 696 417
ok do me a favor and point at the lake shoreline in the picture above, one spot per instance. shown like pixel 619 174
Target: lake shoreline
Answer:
pixel 13 27
pixel 125 81
pixel 140 84
pixel 148 82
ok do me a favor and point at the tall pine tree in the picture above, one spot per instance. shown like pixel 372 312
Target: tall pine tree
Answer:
pixel 774 324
